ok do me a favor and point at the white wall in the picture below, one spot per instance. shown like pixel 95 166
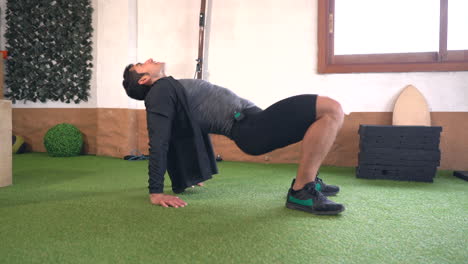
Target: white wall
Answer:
pixel 168 31
pixel 113 48
pixel 263 50
pixel 266 50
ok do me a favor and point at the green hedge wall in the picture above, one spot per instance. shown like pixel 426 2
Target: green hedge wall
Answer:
pixel 49 50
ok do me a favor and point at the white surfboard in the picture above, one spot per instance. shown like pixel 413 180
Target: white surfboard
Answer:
pixel 411 108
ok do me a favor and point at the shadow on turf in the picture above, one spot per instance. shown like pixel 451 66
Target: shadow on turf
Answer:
pixel 40 177
pixel 50 196
pixel 232 208
pixel 394 184
pixel 40 197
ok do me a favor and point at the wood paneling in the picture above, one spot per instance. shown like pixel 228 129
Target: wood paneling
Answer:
pixel 118 132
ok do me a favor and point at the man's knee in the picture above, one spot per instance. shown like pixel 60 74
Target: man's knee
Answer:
pixel 330 109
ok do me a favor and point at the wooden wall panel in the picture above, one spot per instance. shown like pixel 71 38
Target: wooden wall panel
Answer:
pixel 33 124
pixel 118 132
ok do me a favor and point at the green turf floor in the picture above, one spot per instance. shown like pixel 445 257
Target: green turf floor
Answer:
pixel 91 209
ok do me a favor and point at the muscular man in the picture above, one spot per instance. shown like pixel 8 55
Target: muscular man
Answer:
pixel 181 113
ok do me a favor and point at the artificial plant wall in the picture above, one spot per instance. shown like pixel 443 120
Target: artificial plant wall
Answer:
pixel 50 50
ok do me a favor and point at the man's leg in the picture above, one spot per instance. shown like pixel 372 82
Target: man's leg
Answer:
pixel 318 140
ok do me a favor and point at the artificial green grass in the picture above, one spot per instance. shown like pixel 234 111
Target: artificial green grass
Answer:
pixel 91 209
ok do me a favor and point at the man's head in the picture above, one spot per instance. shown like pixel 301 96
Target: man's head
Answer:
pixel 139 77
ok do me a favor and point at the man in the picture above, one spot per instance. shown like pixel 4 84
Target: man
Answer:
pixel 208 108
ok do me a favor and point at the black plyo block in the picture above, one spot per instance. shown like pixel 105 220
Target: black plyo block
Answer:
pixel 418 131
pixel 400 142
pixel 401 137
pixel 396 161
pixel 461 174
pixel 399 157
pixel 406 153
pixel 399 173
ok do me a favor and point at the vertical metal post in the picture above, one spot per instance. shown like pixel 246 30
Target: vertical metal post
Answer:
pixel 201 40
pixel 443 30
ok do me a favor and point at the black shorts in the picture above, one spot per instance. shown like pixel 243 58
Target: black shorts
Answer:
pixel 280 125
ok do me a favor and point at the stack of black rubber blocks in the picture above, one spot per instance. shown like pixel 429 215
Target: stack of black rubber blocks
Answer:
pixel 404 153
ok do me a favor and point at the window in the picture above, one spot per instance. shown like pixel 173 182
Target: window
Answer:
pixel 392 35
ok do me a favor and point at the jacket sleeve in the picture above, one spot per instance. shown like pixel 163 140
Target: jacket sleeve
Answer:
pixel 160 111
pixel 159 132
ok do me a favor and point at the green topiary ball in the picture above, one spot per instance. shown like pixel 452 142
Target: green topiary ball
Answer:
pixel 63 140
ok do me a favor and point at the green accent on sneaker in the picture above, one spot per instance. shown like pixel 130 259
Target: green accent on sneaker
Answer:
pixel 307 202
pixel 318 186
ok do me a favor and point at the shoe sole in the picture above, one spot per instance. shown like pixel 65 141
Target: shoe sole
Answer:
pixel 312 211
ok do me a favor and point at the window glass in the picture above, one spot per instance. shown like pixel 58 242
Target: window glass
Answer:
pixel 457 38
pixel 388 26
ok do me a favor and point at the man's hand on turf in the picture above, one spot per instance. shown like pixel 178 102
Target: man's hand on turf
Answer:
pixel 166 200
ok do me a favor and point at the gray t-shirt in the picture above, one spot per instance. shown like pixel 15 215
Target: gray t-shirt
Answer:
pixel 213 106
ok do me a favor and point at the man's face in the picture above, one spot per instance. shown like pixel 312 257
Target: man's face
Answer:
pixel 154 69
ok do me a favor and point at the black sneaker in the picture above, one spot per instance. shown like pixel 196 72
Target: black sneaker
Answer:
pixel 310 200
pixel 327 190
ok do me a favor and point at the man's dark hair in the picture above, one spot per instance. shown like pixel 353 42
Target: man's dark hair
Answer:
pixel 132 87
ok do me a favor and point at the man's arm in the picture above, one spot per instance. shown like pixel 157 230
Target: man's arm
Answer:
pixel 161 104
pixel 159 131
